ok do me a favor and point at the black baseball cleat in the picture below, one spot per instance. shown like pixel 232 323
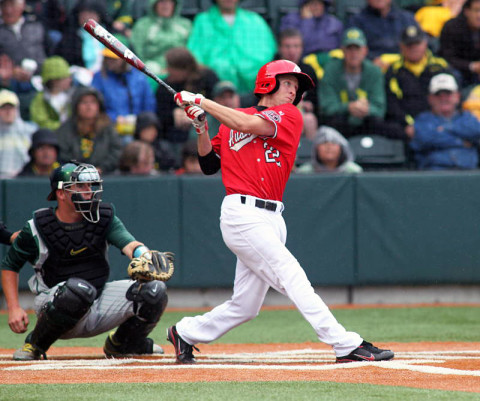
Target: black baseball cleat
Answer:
pixel 183 350
pixel 146 346
pixel 366 352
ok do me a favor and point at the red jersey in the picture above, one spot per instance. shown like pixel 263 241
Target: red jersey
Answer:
pixel 257 165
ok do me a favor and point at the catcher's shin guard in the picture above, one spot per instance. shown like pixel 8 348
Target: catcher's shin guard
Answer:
pixel 149 302
pixel 70 303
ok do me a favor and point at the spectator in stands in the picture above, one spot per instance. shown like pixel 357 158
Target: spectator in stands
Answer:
pixel 383 23
pixel 432 17
pixel 184 73
pixel 52 14
pixel 320 30
pixel 51 107
pixel 137 158
pixel 126 92
pixel 89 136
pixel 445 138
pixel 330 153
pixel 43 154
pixel 160 30
pixel 460 42
pixel 147 130
pixel 290 47
pixel 472 101
pixel 190 164
pixel 232 41
pixel 15 135
pixel 77 46
pixel 23 48
pixel 352 91
pixel 407 80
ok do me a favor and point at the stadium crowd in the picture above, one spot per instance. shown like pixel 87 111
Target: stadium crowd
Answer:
pixel 398 81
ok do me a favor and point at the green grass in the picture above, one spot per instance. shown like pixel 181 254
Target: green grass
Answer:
pixel 376 325
pixel 288 326
pixel 256 391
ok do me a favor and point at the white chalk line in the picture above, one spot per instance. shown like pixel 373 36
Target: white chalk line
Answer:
pixel 316 360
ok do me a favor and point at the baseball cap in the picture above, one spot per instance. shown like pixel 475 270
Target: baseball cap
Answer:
pixel 108 53
pixel 412 34
pixel 8 97
pixel 354 36
pixel 442 82
pixel 223 86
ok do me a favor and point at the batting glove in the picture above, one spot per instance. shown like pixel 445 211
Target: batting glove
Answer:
pixel 197 116
pixel 185 98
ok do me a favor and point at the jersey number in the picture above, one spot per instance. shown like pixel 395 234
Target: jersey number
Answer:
pixel 271 154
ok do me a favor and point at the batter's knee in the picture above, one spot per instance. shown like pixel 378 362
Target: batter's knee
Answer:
pixel 74 298
pixel 149 299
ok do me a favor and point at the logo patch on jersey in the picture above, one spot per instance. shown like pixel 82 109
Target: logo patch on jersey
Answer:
pixel 239 139
pixel 74 252
pixel 272 115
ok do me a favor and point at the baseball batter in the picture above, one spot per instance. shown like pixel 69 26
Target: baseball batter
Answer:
pixel 255 148
pixel 67 247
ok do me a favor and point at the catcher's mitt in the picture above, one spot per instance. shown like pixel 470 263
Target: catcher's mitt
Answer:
pixel 152 265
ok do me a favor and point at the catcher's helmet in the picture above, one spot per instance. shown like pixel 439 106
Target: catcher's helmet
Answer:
pixel 267 82
pixel 71 173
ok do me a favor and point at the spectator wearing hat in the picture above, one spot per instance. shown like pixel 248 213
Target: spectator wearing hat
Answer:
pixel 407 80
pixel 147 130
pixel 51 107
pixel 460 42
pixel 126 92
pixel 321 31
pixel 331 153
pixel 383 23
pixel 88 135
pixel 352 91
pixel 15 135
pixel 43 154
pixel 445 137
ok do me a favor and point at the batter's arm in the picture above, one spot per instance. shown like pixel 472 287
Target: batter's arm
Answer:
pixel 237 120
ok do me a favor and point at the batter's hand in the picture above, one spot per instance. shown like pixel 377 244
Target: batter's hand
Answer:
pixel 185 98
pixel 194 113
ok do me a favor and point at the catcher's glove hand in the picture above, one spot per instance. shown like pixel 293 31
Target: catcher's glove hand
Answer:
pixel 152 265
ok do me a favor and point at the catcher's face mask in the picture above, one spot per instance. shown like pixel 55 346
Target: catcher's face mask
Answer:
pixel 84 184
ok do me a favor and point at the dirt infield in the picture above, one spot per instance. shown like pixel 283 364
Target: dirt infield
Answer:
pixel 443 366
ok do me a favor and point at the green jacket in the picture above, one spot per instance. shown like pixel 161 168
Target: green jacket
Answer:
pixel 236 52
pixel 152 36
pixel 43 114
pixel 335 96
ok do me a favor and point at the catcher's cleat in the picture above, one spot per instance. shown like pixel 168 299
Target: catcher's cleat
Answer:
pixel 183 350
pixel 366 352
pixel 28 352
pixel 114 349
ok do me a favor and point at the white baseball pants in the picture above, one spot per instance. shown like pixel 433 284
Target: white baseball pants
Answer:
pixel 257 237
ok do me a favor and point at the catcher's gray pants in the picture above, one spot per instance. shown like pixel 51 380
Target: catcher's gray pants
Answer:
pixel 108 311
pixel 257 237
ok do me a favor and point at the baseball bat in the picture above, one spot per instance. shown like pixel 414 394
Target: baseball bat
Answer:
pixel 122 51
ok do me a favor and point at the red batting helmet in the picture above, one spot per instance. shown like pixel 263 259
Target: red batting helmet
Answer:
pixel 267 78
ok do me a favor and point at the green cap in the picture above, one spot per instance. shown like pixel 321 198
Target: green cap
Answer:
pixel 55 67
pixel 354 36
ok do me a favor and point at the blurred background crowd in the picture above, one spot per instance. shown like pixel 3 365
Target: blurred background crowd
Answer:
pixel 397 81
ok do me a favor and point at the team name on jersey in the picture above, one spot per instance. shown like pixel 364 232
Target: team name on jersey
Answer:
pixel 239 139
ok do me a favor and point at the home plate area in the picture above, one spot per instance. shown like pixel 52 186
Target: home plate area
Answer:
pixel 442 367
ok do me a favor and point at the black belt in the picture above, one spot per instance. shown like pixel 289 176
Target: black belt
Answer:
pixel 261 204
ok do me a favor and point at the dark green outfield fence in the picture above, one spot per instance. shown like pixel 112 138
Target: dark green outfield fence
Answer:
pixel 369 229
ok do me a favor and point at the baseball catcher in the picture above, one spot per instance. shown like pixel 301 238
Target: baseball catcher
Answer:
pixel 67 247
